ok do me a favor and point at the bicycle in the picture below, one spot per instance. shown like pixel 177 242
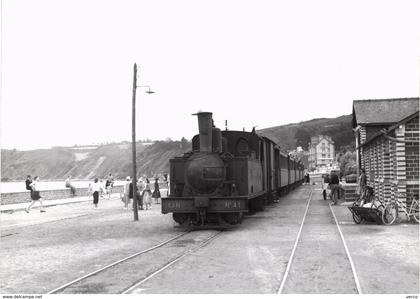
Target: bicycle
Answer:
pixel 390 213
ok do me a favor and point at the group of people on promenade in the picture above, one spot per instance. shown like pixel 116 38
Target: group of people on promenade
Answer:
pixel 144 194
pixel 98 189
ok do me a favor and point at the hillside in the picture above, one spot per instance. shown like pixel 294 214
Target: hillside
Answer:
pixel 89 162
pixel 59 162
pixel 299 134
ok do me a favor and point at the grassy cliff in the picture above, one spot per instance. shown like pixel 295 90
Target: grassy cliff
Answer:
pixel 299 134
pixel 57 163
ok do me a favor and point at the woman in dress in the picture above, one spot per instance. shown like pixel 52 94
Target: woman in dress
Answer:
pixel 35 195
pixel 147 195
pixel 156 192
pixel 126 195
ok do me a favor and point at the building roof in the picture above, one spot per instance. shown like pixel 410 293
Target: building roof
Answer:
pixel 386 131
pixel 383 111
pixel 317 139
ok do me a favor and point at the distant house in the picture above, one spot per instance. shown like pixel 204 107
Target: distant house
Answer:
pixel 321 152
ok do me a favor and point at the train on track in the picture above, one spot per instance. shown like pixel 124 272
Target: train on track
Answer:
pixel 227 174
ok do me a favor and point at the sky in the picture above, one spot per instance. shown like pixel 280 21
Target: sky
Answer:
pixel 67 65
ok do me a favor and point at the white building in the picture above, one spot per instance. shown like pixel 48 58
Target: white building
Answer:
pixel 321 152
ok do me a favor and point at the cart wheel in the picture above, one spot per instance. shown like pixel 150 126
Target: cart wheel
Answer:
pixel 357 218
pixel 416 211
pixel 389 214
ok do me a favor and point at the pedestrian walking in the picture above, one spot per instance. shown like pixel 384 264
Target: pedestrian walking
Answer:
pixel 96 189
pixel 156 192
pixel 28 183
pixel 334 186
pixel 35 195
pixel 127 198
pixel 70 185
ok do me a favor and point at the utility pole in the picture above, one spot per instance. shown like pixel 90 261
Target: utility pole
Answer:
pixel 133 130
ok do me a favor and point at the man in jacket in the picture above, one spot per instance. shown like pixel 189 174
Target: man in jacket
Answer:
pixel 334 186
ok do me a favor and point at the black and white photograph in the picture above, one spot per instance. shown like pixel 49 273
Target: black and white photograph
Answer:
pixel 219 148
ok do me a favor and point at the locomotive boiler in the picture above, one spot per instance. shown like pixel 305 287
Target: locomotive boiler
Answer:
pixel 227 174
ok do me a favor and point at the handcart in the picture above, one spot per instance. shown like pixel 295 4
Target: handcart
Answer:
pixel 362 214
pixel 367 214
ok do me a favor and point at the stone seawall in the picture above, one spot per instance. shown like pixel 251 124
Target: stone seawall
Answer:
pixel 19 197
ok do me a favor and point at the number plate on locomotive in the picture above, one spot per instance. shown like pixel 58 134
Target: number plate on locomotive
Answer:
pixel 233 204
pixel 174 204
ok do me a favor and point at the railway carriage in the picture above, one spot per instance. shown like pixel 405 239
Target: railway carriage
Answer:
pixel 227 174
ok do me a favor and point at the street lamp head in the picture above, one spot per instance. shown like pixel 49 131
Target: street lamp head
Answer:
pixel 150 91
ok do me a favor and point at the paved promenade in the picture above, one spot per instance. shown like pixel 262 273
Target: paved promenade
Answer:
pixel 10 208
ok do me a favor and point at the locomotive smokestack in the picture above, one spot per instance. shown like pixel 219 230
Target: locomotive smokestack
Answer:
pixel 205 124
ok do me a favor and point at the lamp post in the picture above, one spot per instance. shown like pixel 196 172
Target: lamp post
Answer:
pixel 133 131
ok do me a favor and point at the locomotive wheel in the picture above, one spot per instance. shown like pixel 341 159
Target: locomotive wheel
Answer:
pixel 180 217
pixel 232 218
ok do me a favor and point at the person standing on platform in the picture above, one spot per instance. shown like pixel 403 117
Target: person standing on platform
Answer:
pixel 35 195
pixel 362 186
pixel 325 182
pixel 156 192
pixel 147 195
pixel 96 189
pixel 109 184
pixel 140 188
pixel 334 186
pixel 167 183
pixel 362 182
pixel 127 193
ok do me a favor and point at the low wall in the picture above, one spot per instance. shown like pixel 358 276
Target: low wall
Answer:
pixel 349 188
pixel 350 192
pixel 19 197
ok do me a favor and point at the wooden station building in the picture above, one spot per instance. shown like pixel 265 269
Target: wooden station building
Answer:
pixel 387 144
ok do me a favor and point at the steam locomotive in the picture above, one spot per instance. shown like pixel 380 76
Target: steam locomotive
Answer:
pixel 227 174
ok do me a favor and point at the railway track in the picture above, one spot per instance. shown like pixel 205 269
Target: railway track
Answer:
pixel 312 276
pixel 125 275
